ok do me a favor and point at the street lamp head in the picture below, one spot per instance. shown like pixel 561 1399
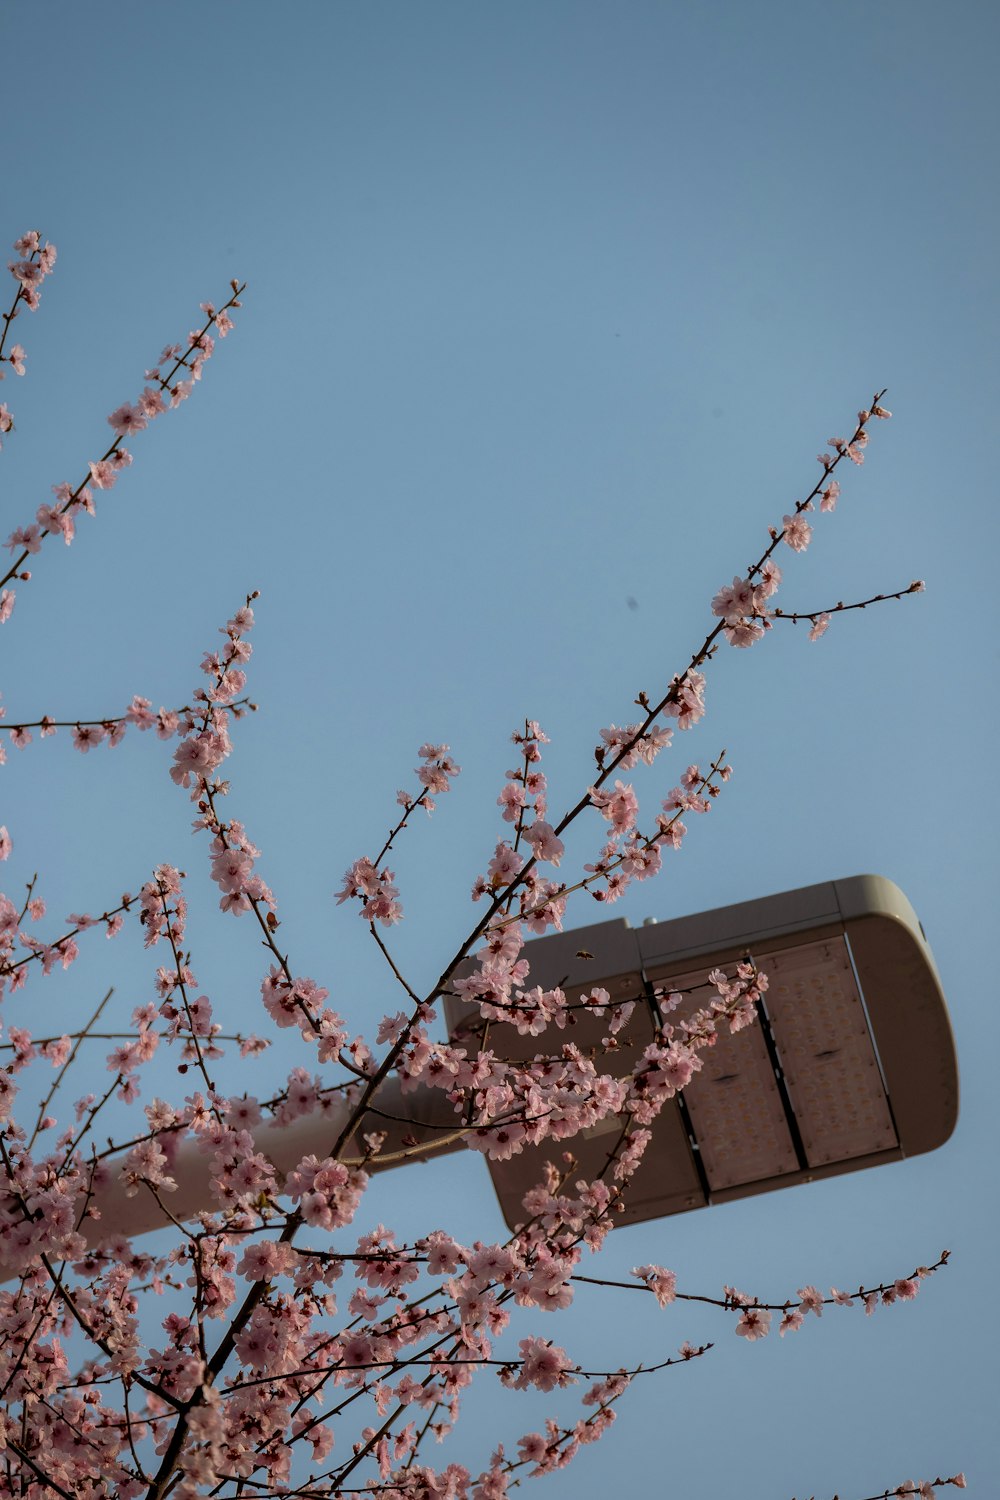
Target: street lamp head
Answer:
pixel 852 1063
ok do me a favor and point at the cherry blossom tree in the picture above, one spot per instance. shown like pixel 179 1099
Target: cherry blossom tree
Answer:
pixel 282 1345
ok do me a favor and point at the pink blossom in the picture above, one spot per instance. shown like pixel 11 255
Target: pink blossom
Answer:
pixel 28 273
pixel 663 1283
pixel 820 624
pixel 17 357
pixel 329 1191
pixel 86 735
pixel 57 1051
pixel 379 895
pixel 126 420
pixel 754 1324
pixel 620 807
pixel 744 633
pixel 103 474
pixel 505 864
pixel 811 1300
pixel 436 774
pixel 264 1261
pixel 139 713
pixel 66 951
pixel 512 799
pixel 797 532
pixel 197 756
pixel 24 538
pixel 5 844
pixel 56 522
pixel 151 402
pixel 390 1029
pixel 687 701
pixel 147 1163
pixel 544 843
pixel 770 578
pixel 731 604
pixel 531 1448
pixel 242 623
pixel 499 1142
pixel 643 746
pixel 543 1365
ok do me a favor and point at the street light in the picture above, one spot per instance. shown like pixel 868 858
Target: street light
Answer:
pixel 852 1063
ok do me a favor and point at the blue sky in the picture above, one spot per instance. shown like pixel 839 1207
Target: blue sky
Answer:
pixel 549 309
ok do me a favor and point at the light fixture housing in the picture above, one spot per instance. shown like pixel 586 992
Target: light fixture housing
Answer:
pixel 851 1064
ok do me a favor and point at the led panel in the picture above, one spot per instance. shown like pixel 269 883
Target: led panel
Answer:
pixel 827 1055
pixel 734 1103
pixel 833 1081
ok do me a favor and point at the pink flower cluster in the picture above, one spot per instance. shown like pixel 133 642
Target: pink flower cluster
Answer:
pixel 742 607
pixel 328 1191
pixel 59 519
pixel 233 857
pixel 435 775
pixel 631 744
pixel 523 802
pixel 375 890
pixel 629 855
pixel 159 918
pixel 35 261
pixel 13 968
pixel 302 1003
pixel 686 699
pixel 201 752
pixel 38 1206
pixel 86 734
pixel 188 1424
pixel 662 1283
pixel 206 743
pixel 542 1365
